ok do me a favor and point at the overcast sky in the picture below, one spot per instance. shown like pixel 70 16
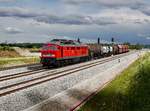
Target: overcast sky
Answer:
pixel 43 20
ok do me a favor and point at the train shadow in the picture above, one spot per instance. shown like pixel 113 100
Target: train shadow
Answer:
pixel 57 104
pixel 35 97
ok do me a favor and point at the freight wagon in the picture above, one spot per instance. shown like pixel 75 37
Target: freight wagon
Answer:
pixel 60 51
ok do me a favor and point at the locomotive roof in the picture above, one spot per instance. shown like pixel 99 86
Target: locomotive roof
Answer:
pixel 65 42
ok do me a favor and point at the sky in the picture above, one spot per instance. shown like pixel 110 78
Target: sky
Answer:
pixel 43 20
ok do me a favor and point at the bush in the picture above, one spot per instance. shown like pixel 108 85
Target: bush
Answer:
pixel 6 48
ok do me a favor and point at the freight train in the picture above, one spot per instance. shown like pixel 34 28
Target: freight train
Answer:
pixel 61 51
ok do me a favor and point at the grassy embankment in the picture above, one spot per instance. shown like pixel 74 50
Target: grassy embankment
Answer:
pixel 9 57
pixel 128 92
pixel 6 62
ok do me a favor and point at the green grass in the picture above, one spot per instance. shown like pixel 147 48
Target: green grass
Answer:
pixel 4 62
pixel 128 92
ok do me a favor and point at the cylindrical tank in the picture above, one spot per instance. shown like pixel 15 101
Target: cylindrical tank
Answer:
pixel 105 49
pixel 111 49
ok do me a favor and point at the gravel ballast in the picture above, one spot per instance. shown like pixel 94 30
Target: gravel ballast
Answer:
pixel 29 97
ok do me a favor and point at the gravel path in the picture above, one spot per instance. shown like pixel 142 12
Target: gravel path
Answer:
pixel 31 96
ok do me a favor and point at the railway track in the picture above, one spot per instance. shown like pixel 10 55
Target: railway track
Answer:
pixel 51 75
pixel 22 74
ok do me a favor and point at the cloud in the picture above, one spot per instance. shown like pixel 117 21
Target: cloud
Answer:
pixel 107 3
pixel 146 36
pixel 143 35
pixel 53 19
pixel 145 10
pixel 87 19
pixel 17 12
pixel 107 17
pixel 123 16
pixel 8 0
pixel 103 18
pixel 74 20
pixel 13 30
pixel 141 5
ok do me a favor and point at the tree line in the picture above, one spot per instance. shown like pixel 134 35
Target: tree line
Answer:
pixel 7 46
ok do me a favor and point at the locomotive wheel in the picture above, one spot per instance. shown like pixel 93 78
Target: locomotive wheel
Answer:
pixel 57 64
pixel 43 65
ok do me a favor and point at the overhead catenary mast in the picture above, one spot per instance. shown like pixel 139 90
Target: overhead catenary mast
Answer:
pixel 78 40
pixel 98 40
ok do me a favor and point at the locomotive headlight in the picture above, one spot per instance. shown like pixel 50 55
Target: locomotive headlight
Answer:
pixel 49 55
pixel 53 55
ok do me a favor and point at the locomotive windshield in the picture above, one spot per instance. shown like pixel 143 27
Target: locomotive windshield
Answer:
pixel 49 48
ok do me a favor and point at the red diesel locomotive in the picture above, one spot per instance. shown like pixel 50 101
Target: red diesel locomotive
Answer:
pixel 61 51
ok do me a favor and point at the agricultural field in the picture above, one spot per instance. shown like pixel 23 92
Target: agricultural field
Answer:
pixel 10 57
pixel 128 92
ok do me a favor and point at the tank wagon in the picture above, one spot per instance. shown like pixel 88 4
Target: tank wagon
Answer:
pixel 103 50
pixel 61 51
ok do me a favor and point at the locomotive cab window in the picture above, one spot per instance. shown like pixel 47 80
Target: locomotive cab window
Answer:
pixel 53 48
pixel 78 48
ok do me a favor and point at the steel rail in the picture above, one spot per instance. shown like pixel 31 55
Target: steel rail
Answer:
pixel 22 74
